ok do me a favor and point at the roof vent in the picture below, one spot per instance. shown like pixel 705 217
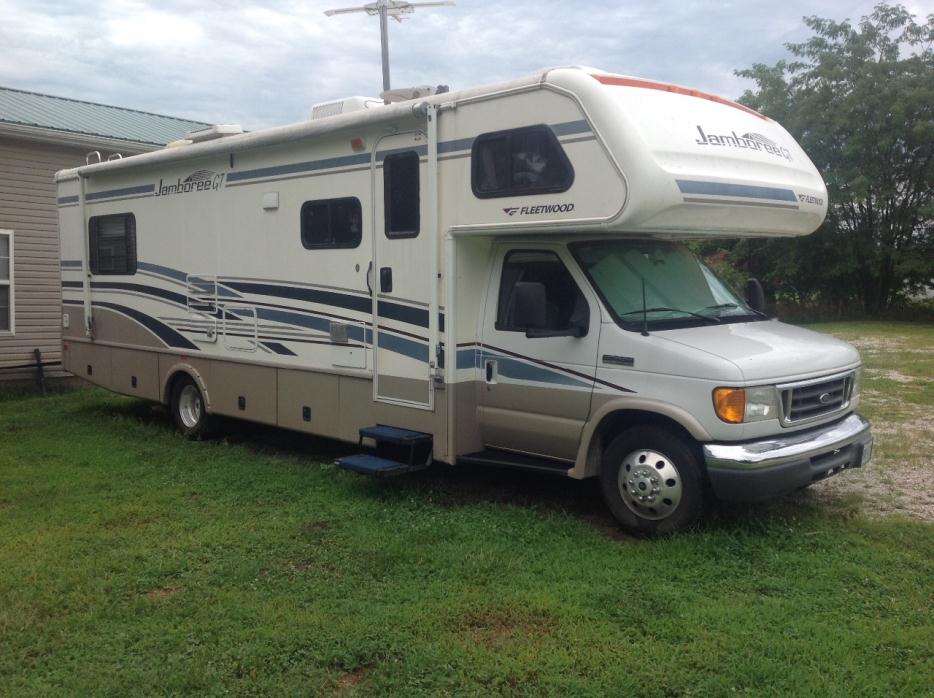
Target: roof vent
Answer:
pixel 213 132
pixel 323 110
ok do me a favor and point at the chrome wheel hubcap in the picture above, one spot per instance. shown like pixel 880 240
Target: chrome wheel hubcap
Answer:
pixel 649 484
pixel 189 406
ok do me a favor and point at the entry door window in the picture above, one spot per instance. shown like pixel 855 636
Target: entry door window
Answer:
pixel 537 292
pixel 400 176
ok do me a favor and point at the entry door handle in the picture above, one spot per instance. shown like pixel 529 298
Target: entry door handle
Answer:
pixel 490 370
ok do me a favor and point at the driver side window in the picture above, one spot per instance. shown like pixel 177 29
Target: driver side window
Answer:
pixel 537 292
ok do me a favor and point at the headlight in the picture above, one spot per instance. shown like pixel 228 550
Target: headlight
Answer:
pixel 857 380
pixel 738 405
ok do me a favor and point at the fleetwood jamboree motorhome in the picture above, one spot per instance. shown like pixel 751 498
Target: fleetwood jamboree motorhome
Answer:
pixel 494 276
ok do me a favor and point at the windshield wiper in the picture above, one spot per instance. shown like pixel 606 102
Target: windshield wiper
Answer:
pixel 724 306
pixel 708 318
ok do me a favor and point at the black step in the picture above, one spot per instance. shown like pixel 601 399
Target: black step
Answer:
pixel 382 433
pixel 366 464
pixel 505 459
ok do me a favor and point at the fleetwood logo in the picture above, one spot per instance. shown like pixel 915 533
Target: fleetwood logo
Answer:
pixel 200 180
pixel 748 141
pixel 537 210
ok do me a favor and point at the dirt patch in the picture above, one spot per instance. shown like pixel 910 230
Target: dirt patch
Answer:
pixel 350 680
pixel 6 504
pixel 162 593
pixel 896 376
pixel 314 526
pixel 498 626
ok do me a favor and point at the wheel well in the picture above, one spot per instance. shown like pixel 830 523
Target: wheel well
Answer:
pixel 172 382
pixel 617 422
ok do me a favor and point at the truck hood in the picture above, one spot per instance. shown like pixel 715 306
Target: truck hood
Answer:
pixel 769 351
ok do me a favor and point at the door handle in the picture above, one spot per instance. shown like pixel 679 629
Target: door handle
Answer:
pixel 385 279
pixel 490 370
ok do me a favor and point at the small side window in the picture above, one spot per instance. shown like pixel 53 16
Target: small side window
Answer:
pixel 537 292
pixel 331 223
pixel 6 281
pixel 519 162
pixel 112 242
pixel 400 193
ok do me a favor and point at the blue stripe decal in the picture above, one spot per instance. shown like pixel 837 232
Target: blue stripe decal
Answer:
pixel 67 199
pixel 406 347
pixel 153 291
pixel 467 358
pixel 459 144
pixel 688 186
pixel 402 313
pixel 127 191
pixel 570 127
pixel 71 264
pixel 169 336
pixel 295 319
pixel 279 348
pixel 361 304
pixel 164 271
pixel 299 167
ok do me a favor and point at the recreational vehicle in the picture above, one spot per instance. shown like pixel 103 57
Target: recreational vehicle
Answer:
pixel 493 276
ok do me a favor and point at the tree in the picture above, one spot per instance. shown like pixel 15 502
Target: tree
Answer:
pixel 860 101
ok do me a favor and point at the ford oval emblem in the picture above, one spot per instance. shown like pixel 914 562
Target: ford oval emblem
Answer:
pixel 824 398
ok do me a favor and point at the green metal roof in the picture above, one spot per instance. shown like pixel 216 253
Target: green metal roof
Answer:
pixel 74 116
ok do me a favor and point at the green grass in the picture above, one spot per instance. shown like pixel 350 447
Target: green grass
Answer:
pixel 133 562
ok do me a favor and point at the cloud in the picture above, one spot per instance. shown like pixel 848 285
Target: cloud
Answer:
pixel 266 64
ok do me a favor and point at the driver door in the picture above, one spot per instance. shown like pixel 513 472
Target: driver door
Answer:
pixel 540 335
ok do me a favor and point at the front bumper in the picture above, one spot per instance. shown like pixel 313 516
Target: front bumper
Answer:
pixel 770 467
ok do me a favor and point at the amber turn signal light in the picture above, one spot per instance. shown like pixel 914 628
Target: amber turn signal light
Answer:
pixel 730 404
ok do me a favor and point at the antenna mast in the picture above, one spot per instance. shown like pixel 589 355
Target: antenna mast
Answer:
pixel 386 9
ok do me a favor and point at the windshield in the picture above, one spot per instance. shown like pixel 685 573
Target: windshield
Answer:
pixel 680 291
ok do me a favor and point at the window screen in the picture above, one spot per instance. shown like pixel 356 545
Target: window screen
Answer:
pixel 564 304
pixel 519 162
pixel 113 244
pixel 400 176
pixel 331 223
pixel 6 276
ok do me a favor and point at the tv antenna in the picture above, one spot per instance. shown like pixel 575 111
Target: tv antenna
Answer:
pixel 397 9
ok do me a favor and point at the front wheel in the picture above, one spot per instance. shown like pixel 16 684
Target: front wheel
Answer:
pixel 652 481
pixel 188 410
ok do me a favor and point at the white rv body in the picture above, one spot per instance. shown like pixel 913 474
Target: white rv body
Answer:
pixel 327 341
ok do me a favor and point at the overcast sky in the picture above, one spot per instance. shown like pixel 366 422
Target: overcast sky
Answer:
pixel 263 64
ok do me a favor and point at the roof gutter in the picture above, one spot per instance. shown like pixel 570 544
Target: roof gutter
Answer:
pixel 77 140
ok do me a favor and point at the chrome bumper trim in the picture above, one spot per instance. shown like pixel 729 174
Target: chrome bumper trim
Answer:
pixel 787 448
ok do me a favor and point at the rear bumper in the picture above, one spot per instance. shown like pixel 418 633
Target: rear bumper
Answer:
pixel 761 469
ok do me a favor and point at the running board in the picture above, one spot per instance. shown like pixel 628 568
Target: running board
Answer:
pixel 506 459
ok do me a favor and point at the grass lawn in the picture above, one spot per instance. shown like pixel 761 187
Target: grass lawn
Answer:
pixel 133 562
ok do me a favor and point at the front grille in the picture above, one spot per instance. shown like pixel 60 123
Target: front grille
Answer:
pixel 811 399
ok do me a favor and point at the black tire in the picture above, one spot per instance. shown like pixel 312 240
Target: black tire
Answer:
pixel 663 488
pixel 189 412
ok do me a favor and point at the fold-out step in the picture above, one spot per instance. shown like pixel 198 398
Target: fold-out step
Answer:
pixel 366 464
pixel 394 435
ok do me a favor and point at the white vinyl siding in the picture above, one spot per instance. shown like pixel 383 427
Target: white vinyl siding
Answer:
pixel 7 319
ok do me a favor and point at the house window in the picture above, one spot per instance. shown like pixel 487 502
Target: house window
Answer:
pixel 519 162
pixel 400 191
pixel 331 223
pixel 6 281
pixel 112 242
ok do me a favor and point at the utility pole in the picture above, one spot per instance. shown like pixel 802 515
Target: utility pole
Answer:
pixel 397 9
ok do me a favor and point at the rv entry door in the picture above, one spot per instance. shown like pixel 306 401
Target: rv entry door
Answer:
pixel 402 274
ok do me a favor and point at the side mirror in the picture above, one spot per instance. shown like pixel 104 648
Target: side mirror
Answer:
pixel 755 296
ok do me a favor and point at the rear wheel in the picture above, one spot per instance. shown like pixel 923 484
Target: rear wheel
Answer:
pixel 188 410
pixel 652 481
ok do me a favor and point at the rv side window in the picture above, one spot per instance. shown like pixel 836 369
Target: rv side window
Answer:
pixel 550 299
pixel 331 223
pixel 112 242
pixel 519 162
pixel 400 192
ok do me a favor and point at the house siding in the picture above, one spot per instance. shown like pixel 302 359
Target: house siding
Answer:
pixel 28 208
